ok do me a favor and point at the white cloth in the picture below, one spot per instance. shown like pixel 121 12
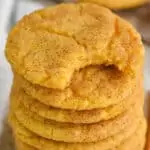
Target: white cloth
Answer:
pixel 147 69
pixel 5 73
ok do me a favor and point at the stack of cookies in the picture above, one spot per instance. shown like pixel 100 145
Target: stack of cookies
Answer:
pixel 78 82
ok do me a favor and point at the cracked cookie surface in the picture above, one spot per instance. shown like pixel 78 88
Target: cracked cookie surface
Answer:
pixel 48 46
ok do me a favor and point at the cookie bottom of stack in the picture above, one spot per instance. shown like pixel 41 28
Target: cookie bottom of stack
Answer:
pixel 131 138
pixel 67 132
pixel 136 141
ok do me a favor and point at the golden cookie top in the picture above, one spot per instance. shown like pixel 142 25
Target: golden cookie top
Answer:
pixel 48 46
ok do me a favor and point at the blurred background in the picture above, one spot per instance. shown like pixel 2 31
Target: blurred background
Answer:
pixel 12 10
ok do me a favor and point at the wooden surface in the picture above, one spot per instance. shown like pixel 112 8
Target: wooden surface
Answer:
pixel 147 146
pixel 6 140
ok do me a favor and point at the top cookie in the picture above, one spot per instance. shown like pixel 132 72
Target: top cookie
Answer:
pixel 117 4
pixel 49 45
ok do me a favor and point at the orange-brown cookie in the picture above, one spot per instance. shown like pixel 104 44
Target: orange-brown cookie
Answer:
pixel 69 132
pixel 117 4
pixel 93 87
pixel 22 146
pixel 85 54
pixel 41 143
pixel 136 141
pixel 73 116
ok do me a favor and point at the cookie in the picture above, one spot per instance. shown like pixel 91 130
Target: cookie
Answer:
pixel 117 4
pixel 22 146
pixel 71 116
pixel 93 87
pixel 38 142
pixel 51 46
pixel 68 132
pixel 136 141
